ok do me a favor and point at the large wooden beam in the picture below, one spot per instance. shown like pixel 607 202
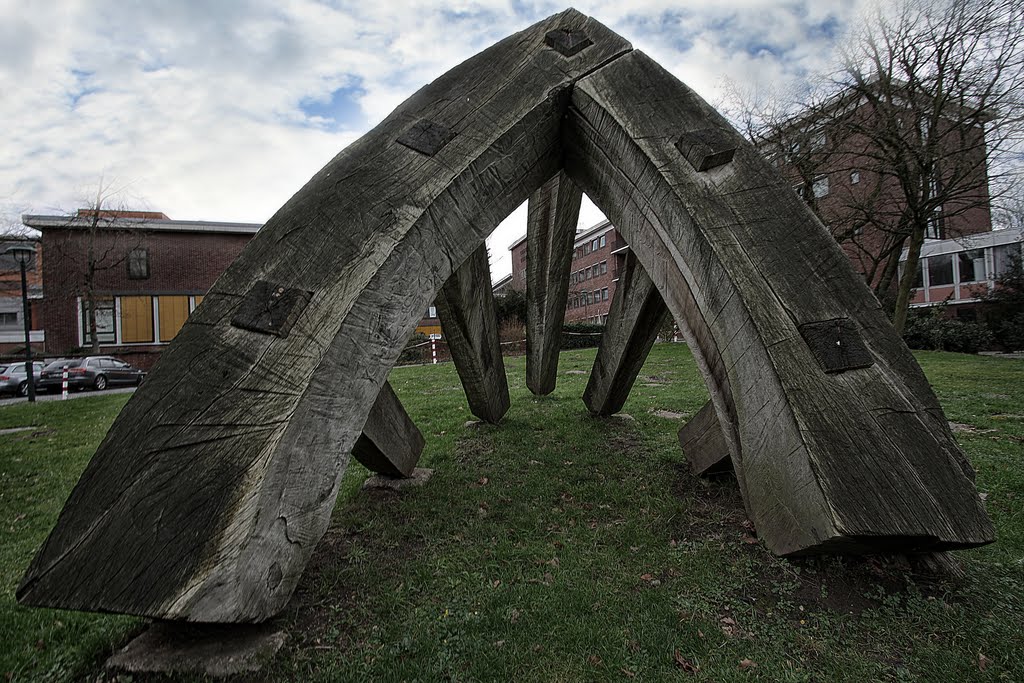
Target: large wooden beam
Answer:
pixel 553 212
pixel 836 438
pixel 466 308
pixel 390 443
pixel 703 444
pixel 634 318
pixel 218 478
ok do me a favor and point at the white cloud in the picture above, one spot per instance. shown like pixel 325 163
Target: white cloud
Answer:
pixel 206 110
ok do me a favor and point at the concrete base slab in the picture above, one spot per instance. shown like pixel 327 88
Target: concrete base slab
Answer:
pixel 419 476
pixel 217 650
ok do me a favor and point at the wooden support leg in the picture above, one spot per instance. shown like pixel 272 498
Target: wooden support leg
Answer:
pixel 635 315
pixel 703 443
pixel 466 308
pixel 553 212
pixel 390 443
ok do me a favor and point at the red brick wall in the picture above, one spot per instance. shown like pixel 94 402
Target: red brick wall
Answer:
pixel 179 263
pixel 579 285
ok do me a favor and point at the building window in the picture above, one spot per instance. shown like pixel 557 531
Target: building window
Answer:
pixel 586 249
pixel 604 240
pixel 936 226
pixel 138 264
pixel 106 331
pixel 971 265
pixel 594 246
pixel 431 311
pixel 820 187
pixel 137 319
pixel 854 177
pixel 818 140
pixel 604 294
pixel 604 267
pixel 173 314
pixel 9 320
pixel 1002 258
pixel 940 270
pixel 587 271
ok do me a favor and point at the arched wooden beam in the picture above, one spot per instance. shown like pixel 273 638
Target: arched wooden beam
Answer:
pixel 553 212
pixel 390 443
pixel 218 478
pixel 634 318
pixel 837 440
pixel 466 308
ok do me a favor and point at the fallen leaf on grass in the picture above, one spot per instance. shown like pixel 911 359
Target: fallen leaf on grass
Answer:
pixel 983 661
pixel 685 664
pixel 747 664
pixel 594 660
pixel 750 540
pixel 629 674
pixel 646 577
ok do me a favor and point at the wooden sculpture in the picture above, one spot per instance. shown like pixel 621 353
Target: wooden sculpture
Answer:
pixel 216 481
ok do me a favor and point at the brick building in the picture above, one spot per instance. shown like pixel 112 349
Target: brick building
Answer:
pixel 150 273
pixel 597 257
pixel 958 272
pixel 12 317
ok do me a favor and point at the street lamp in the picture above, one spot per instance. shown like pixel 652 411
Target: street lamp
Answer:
pixel 23 254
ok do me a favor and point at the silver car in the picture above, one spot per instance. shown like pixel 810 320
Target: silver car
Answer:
pixel 13 379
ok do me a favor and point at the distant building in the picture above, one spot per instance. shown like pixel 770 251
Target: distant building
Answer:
pixel 836 171
pixel 151 272
pixel 597 258
pixel 958 272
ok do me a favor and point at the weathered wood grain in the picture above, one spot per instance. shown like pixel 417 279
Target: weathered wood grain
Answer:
pixel 217 479
pixel 636 314
pixel 465 306
pixel 552 215
pixel 703 444
pixel 858 460
pixel 390 443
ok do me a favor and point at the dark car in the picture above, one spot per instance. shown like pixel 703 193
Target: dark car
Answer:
pixel 13 379
pixel 91 372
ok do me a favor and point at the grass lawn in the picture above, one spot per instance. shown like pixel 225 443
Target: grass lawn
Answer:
pixel 558 547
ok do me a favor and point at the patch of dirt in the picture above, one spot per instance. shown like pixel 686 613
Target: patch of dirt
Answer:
pixel 312 616
pixel 834 583
pixel 668 414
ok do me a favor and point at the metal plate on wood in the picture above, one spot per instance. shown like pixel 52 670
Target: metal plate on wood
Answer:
pixel 836 344
pixel 270 308
pixel 567 42
pixel 426 137
pixel 706 148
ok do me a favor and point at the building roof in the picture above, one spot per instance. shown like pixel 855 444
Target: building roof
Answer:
pixel 979 240
pixel 581 235
pixel 145 220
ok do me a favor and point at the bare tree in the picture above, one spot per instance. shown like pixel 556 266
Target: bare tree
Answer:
pixel 111 234
pixel 933 92
pixel 925 112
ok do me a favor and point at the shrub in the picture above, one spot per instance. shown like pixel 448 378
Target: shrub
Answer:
pixel 411 354
pixel 931 330
pixel 581 335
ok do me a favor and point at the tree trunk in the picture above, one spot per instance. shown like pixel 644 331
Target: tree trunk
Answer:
pixel 899 318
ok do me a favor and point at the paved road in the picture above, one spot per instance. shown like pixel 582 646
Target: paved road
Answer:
pixel 71 394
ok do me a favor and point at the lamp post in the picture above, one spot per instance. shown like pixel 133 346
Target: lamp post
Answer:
pixel 23 254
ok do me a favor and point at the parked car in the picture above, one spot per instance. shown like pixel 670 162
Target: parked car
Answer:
pixel 13 379
pixel 91 372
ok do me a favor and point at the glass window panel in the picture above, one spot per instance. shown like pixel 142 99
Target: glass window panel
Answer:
pixel 136 319
pixel 173 313
pixel 940 270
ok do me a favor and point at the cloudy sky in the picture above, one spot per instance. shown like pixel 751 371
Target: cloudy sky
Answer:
pixel 221 110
